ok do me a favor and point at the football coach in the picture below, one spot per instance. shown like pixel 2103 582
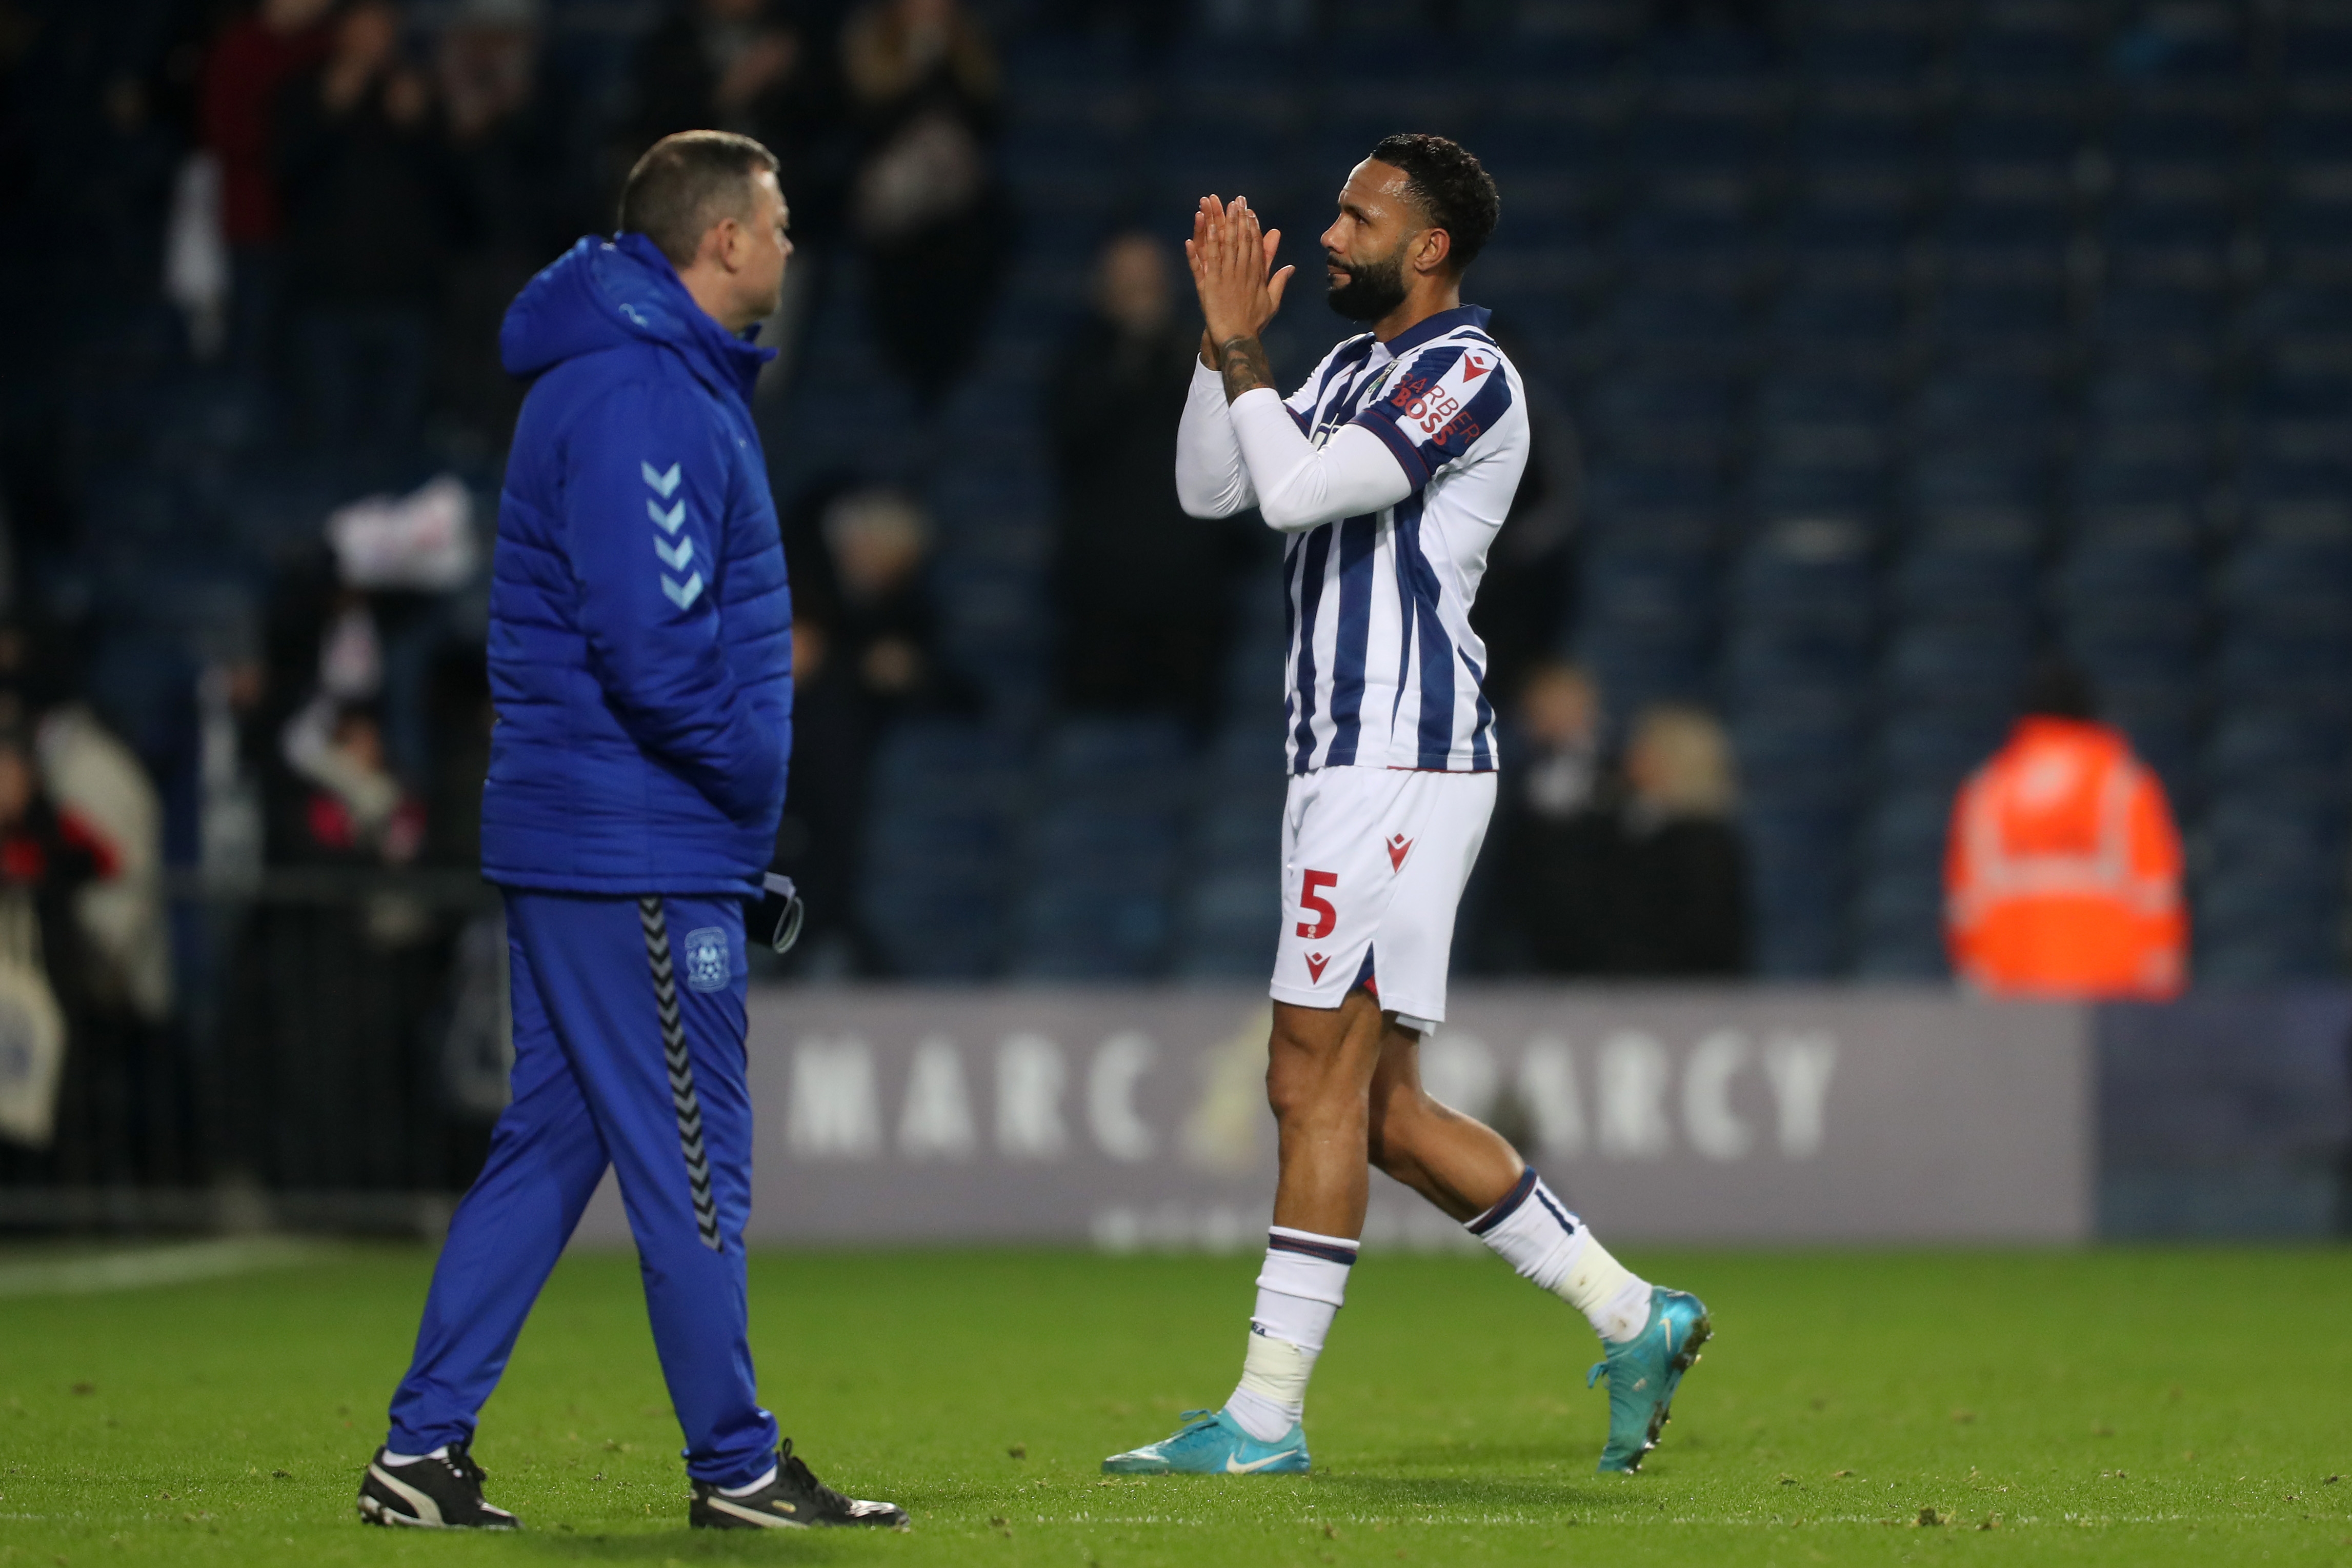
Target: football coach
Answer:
pixel 640 656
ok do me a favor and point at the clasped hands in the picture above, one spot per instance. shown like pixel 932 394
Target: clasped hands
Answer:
pixel 1234 272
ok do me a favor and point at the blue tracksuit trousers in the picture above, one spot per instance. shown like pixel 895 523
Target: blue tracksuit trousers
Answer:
pixel 628 1034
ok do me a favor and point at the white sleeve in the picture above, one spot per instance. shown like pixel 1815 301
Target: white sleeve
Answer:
pixel 1211 479
pixel 1300 485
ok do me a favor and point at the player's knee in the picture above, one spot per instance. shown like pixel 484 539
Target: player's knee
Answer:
pixel 1304 1088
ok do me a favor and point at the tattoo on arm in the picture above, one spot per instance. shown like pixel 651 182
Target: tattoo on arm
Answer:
pixel 1245 367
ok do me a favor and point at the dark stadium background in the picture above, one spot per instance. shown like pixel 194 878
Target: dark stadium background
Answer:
pixel 1883 349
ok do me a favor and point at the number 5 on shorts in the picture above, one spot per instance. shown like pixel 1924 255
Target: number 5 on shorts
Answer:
pixel 1310 896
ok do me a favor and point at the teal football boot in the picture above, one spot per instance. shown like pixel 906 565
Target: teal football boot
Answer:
pixel 1643 1372
pixel 1213 1444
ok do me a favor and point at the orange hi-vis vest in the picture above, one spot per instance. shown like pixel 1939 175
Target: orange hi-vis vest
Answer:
pixel 2063 871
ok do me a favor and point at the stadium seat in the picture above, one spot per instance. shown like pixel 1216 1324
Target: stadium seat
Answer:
pixel 1834 318
pixel 1681 329
pixel 2003 246
pixel 1112 795
pixel 2181 46
pixel 2041 46
pixel 1846 61
pixel 1935 748
pixel 1802 749
pixel 1777 489
pixel 1799 859
pixel 1899 907
pixel 1852 233
pixel 938 849
pixel 1661 417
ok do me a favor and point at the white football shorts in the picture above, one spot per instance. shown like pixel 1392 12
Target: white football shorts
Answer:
pixel 1373 864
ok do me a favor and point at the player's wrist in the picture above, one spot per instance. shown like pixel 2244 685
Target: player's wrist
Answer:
pixel 1246 368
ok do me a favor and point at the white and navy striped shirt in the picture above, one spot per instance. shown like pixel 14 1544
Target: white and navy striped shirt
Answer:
pixel 1383 668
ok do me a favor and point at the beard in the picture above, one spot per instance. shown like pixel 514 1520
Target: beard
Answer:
pixel 1370 290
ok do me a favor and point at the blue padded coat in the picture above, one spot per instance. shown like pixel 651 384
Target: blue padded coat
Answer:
pixel 640 643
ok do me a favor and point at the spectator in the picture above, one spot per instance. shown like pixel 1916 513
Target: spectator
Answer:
pixel 1526 601
pixel 2062 870
pixel 1678 898
pixel 355 811
pixel 925 204
pixel 50 850
pixel 770 70
pixel 370 200
pixel 1140 589
pixel 256 57
pixel 48 855
pixel 1555 837
pixel 335 795
pixel 864 653
pixel 520 205
pixel 756 67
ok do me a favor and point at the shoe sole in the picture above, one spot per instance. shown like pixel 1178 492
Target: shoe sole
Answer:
pixel 373 1511
pixel 717 1513
pixel 1163 1468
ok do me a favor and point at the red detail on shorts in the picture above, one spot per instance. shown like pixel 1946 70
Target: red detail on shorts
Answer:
pixel 1310 896
pixel 1315 962
pixel 1399 847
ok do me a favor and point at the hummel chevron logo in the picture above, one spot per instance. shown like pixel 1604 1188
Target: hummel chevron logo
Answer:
pixel 665 485
pixel 674 556
pixel 668 521
pixel 1315 962
pixel 1233 1466
pixel 1399 847
pixel 683 595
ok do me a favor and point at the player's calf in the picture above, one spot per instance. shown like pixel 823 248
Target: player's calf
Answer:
pixel 439 1490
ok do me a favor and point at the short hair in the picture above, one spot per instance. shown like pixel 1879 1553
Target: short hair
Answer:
pixel 688 182
pixel 1451 188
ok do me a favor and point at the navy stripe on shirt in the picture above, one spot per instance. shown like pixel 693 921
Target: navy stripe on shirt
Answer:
pixel 1436 728
pixel 1480 757
pixel 1352 646
pixel 1311 598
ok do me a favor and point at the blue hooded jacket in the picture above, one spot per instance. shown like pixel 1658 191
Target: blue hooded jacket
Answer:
pixel 640 643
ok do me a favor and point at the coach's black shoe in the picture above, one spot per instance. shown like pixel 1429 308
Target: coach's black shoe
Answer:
pixel 793 1500
pixel 444 1493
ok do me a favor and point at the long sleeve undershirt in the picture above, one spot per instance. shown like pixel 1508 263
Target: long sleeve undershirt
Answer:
pixel 1252 452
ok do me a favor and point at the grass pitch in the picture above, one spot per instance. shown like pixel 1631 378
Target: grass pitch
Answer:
pixel 2124 1407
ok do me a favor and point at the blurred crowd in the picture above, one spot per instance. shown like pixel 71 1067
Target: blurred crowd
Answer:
pixel 337 201
pixel 251 430
pixel 250 436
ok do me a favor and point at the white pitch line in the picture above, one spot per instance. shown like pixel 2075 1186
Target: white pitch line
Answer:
pixel 142 1267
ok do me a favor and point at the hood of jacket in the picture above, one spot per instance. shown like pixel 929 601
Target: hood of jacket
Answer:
pixel 602 293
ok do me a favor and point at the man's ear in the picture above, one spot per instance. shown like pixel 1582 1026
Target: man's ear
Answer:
pixel 723 235
pixel 1431 254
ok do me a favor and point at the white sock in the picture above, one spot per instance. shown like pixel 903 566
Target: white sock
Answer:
pixel 1298 1293
pixel 755 1486
pixel 1534 1234
pixel 397 1459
